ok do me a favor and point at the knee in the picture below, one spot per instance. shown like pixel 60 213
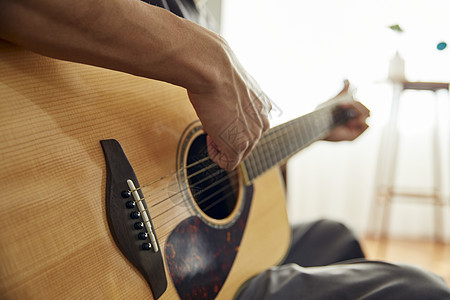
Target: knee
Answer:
pixel 414 283
pixel 427 285
pixel 335 228
pixel 332 224
pixel 342 237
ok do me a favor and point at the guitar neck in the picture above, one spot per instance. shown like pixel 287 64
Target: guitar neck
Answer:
pixel 281 142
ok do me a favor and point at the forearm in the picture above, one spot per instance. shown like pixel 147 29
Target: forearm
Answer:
pixel 134 37
pixel 124 35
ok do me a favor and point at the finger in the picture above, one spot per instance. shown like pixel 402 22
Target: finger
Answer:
pixel 222 159
pixel 360 130
pixel 260 95
pixel 259 110
pixel 345 88
pixel 357 131
pixel 258 123
pixel 361 109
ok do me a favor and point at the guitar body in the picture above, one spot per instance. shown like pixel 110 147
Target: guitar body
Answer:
pixel 54 231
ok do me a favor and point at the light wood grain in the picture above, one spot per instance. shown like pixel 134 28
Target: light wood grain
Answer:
pixel 429 255
pixel 55 241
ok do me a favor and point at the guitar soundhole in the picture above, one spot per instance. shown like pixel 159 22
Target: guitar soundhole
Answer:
pixel 215 191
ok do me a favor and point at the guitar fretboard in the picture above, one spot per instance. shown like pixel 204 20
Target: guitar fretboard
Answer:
pixel 281 142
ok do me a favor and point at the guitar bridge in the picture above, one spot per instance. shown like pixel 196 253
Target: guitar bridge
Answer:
pixel 142 212
pixel 129 220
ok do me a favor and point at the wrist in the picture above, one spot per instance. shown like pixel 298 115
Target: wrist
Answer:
pixel 204 61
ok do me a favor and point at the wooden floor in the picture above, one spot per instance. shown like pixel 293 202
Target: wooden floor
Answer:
pixel 431 256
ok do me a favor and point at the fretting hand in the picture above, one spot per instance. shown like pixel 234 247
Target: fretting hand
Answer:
pixel 354 127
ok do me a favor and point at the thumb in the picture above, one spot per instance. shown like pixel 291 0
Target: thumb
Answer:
pixel 345 88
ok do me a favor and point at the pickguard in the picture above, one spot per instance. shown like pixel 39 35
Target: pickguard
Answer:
pixel 199 256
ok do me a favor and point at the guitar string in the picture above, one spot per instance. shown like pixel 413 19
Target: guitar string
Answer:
pixel 206 177
pixel 174 207
pixel 172 173
pixel 269 137
pixel 194 174
pixel 198 182
pixel 196 194
pixel 179 170
pixel 193 164
pixel 218 200
pixel 209 207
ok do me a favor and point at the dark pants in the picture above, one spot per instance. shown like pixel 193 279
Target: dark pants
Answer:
pixel 326 262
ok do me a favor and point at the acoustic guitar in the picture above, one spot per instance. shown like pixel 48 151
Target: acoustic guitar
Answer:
pixel 108 191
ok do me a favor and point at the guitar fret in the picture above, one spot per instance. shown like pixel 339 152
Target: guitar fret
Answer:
pixel 279 145
pixel 283 148
pixel 310 129
pixel 265 158
pixel 255 159
pixel 297 136
pixel 305 133
pixel 259 167
pixel 319 124
pixel 281 142
pixel 289 139
pixel 270 154
pixel 248 167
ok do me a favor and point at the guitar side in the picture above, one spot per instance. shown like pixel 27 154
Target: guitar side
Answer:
pixel 55 240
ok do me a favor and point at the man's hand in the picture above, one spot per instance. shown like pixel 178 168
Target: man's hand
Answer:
pixel 234 113
pixel 145 40
pixel 353 127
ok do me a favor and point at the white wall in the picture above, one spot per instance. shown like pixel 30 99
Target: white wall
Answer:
pixel 300 51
